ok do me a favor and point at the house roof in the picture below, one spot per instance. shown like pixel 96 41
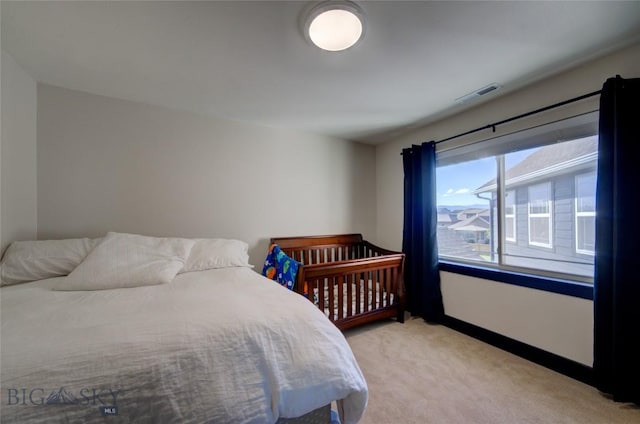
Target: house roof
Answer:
pixel 475 223
pixel 475 211
pixel 555 158
pixel 444 217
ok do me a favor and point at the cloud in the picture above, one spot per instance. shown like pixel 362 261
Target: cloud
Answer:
pixel 452 192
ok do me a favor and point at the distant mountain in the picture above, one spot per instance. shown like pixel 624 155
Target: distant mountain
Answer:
pixel 455 208
pixel 61 397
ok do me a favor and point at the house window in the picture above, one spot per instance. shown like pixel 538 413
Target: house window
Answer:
pixel 510 216
pixel 523 206
pixel 540 221
pixel 585 213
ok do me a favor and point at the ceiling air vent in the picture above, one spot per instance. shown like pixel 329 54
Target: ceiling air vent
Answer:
pixel 480 92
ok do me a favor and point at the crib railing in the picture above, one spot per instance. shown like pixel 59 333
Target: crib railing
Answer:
pixel 351 280
pixel 357 291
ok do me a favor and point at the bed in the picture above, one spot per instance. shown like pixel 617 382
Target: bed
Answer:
pixel 217 342
pixel 351 280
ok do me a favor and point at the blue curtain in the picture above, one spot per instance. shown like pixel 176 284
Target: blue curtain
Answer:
pixel 419 241
pixel 616 363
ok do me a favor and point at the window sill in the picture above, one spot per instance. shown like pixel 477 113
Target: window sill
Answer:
pixel 554 285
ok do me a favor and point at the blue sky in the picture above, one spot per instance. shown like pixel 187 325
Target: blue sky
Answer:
pixel 456 183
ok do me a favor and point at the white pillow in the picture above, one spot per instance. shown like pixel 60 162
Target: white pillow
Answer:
pixel 217 253
pixel 39 259
pixel 129 260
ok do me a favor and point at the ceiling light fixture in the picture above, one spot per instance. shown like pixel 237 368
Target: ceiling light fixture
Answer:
pixel 334 25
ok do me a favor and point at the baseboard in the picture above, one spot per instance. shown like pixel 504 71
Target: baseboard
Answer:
pixel 552 361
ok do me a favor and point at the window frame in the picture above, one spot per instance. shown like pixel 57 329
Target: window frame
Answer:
pixel 513 216
pixel 578 214
pixel 567 282
pixel 548 215
pixel 519 278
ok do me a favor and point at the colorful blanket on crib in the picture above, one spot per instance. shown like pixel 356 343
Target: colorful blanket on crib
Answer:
pixel 279 267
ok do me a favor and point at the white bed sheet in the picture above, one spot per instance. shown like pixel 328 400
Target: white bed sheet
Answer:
pixel 220 346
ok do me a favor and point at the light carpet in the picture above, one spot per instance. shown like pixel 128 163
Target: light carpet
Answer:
pixel 422 373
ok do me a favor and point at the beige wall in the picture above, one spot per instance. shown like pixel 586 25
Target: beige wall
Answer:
pixel 18 189
pixel 552 322
pixel 107 164
pixel 556 323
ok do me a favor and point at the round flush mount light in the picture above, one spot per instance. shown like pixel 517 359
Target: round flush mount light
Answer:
pixel 334 25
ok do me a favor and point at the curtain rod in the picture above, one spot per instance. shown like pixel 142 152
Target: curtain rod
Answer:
pixel 524 115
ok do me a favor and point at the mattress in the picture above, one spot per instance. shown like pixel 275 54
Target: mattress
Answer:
pixel 369 299
pixel 221 346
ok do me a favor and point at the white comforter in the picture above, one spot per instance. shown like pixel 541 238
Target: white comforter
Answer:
pixel 219 346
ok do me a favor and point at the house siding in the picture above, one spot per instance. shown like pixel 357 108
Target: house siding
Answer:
pixel 563 216
pixel 563 227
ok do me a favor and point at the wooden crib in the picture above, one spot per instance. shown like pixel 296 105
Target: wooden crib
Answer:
pixel 351 280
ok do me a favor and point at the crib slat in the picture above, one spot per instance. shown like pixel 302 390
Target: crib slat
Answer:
pixel 384 292
pixel 379 282
pixel 331 299
pixel 349 282
pixel 366 288
pixel 392 277
pixel 370 294
pixel 340 297
pixel 377 291
pixel 392 286
pixel 311 287
pixel 364 282
pixel 366 293
pixel 381 286
pixel 358 293
pixel 381 289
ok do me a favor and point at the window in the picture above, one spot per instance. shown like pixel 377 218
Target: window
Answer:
pixel 464 221
pixel 522 206
pixel 540 222
pixel 510 216
pixel 585 212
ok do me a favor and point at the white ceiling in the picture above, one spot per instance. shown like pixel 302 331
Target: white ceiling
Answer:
pixel 248 61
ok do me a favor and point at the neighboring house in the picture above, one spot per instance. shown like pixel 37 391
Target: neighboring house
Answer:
pixel 460 231
pixel 549 208
pixel 471 213
pixel 446 217
pixel 474 229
